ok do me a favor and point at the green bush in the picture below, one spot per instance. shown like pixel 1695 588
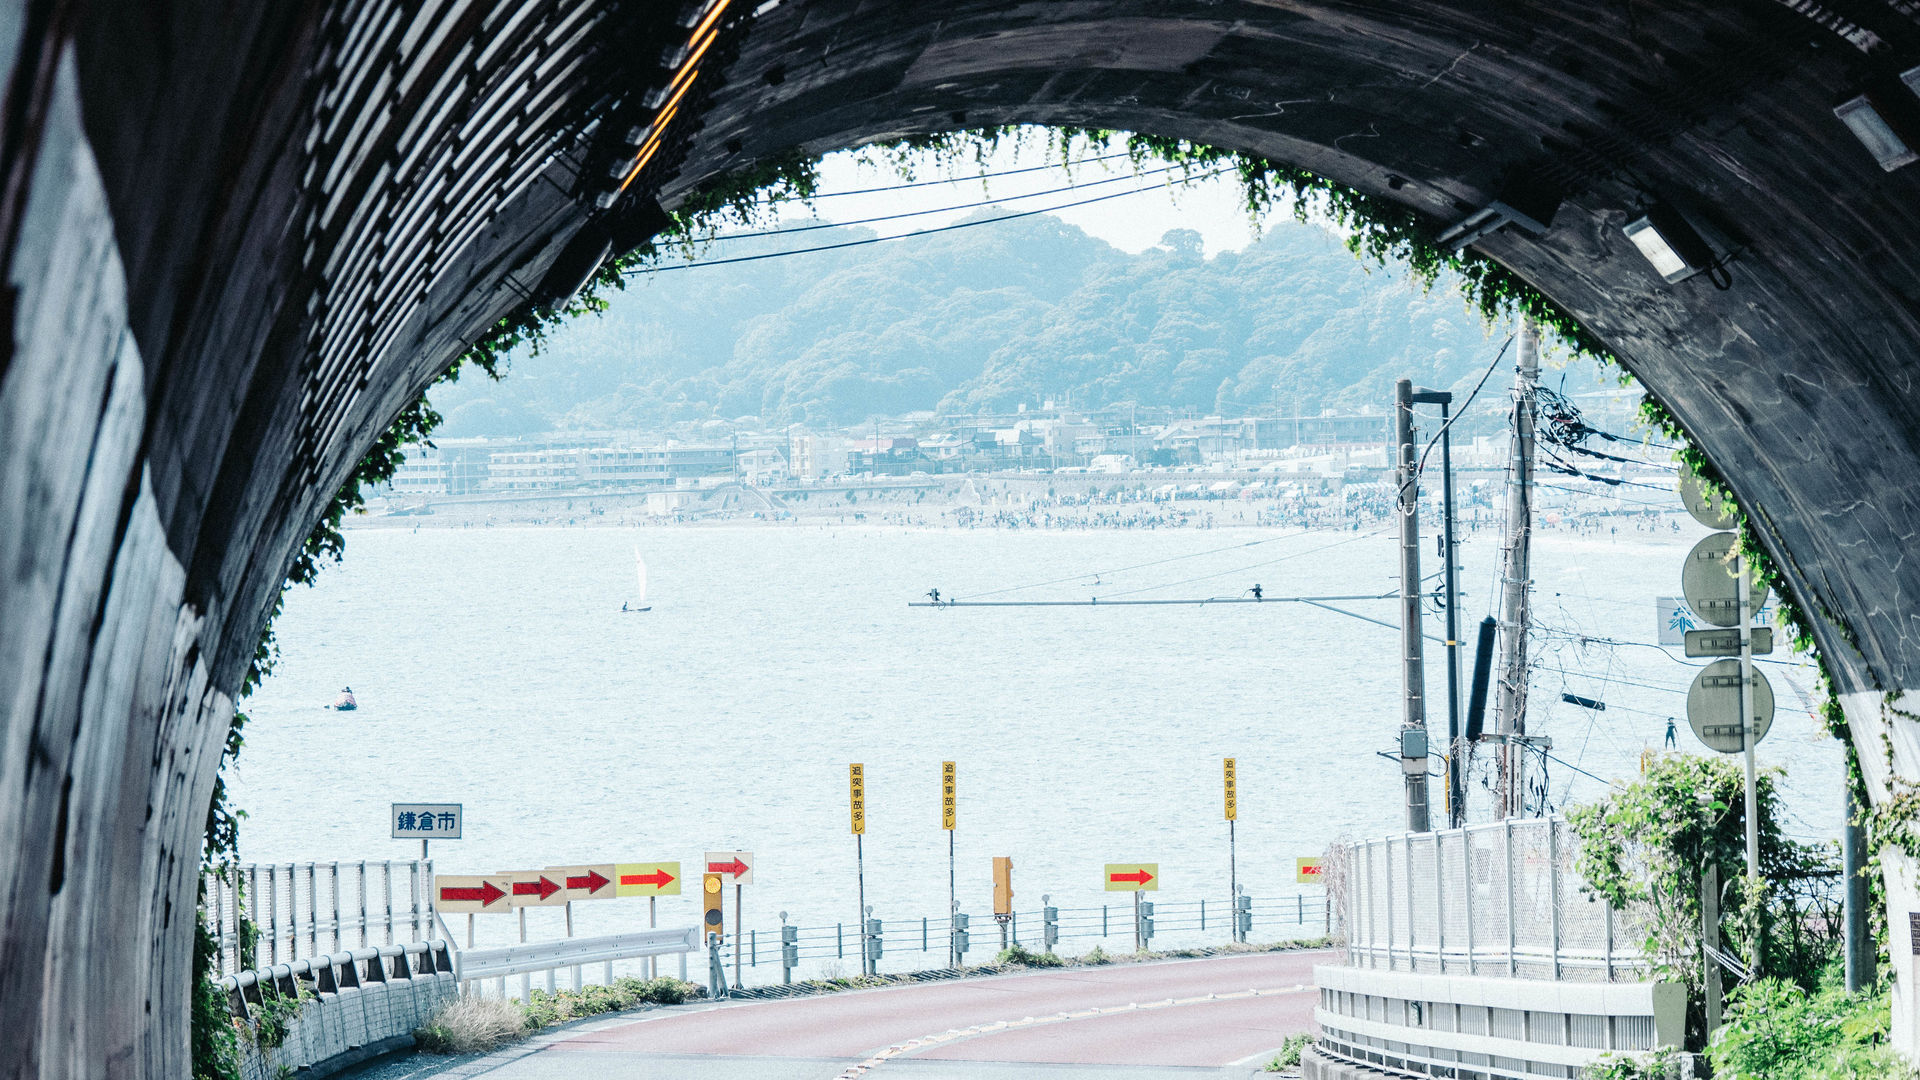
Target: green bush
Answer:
pixel 1289 1055
pixel 1020 954
pixel 1775 1030
pixel 562 1005
pixel 1096 956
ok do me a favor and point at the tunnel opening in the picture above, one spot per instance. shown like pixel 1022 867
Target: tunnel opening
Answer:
pixel 214 209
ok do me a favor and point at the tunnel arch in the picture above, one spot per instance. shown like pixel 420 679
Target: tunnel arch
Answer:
pixel 239 243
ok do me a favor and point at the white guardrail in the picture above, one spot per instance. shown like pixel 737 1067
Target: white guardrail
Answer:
pixel 475 967
pixel 1479 954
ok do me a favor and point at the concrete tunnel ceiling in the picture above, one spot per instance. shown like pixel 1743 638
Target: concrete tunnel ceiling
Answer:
pixel 240 242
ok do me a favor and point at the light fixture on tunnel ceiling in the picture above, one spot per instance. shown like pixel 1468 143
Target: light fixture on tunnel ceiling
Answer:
pixel 1674 247
pixel 1886 121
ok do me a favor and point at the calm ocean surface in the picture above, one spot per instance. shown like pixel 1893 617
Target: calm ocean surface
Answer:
pixel 494 667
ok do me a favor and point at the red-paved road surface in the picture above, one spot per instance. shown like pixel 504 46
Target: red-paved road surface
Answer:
pixel 851 1026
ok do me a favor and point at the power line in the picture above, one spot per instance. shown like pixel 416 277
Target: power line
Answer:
pixel 1135 566
pixel 962 179
pixel 902 236
pixel 816 227
pixel 1254 566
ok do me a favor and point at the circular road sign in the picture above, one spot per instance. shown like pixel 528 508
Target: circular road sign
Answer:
pixel 1710 585
pixel 1708 509
pixel 1713 706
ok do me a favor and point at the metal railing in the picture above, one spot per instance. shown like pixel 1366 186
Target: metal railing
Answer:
pixel 1499 900
pixel 270 913
pixel 931 939
pixel 475 967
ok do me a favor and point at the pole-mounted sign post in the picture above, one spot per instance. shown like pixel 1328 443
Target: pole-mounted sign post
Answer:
pixel 949 817
pixel 857 812
pixel 1232 787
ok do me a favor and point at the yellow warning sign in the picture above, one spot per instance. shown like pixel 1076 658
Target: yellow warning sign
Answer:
pixel 857 796
pixel 1133 877
pixel 646 879
pixel 1233 792
pixel 1308 871
pixel 949 800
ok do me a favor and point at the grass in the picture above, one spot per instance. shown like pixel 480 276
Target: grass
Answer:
pixel 471 1025
pixel 1025 957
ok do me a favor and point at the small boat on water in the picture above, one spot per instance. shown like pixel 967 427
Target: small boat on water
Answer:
pixel 639 569
pixel 345 702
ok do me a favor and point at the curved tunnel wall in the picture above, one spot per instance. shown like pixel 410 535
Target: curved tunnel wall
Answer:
pixel 239 242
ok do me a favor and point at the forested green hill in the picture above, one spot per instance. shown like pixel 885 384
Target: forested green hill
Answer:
pixel 986 318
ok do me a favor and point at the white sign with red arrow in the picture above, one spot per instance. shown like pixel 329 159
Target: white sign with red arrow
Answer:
pixel 735 865
pixel 586 882
pixel 538 888
pixel 453 894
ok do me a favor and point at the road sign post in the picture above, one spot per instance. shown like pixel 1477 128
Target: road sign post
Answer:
pixel 857 814
pixel 1233 863
pixel 736 866
pixel 426 821
pixel 949 816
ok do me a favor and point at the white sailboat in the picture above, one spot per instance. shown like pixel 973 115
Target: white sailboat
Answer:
pixel 640 570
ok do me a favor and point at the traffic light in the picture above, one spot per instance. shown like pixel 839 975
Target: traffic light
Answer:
pixel 1002 885
pixel 715 921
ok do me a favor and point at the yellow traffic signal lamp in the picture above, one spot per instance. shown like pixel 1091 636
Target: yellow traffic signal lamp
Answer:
pixel 715 921
pixel 1002 885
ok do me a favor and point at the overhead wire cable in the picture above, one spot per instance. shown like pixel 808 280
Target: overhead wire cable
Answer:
pixel 1254 566
pixel 1136 566
pixel 817 226
pixel 960 179
pixel 863 242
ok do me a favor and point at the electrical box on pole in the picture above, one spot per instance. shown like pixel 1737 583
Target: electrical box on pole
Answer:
pixel 873 941
pixel 962 938
pixel 1243 915
pixel 1146 921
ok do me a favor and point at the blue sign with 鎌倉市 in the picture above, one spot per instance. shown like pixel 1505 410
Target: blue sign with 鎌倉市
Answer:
pixel 426 821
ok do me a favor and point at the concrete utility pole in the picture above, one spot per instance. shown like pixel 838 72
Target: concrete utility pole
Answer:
pixel 1413 725
pixel 1515 576
pixel 1860 951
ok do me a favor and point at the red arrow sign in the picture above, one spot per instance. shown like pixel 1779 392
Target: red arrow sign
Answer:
pixel 487 893
pixel 1138 876
pixel 592 882
pixel 542 888
pixel 734 868
pixel 658 879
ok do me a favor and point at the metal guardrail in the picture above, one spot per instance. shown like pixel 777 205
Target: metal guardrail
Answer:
pixel 271 913
pixel 1481 1028
pixel 474 967
pixel 1501 899
pixel 351 1003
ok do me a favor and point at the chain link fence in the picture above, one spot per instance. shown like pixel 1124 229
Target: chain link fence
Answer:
pixel 1501 899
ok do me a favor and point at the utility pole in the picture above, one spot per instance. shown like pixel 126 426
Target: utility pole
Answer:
pixel 1515 576
pixel 1456 785
pixel 1413 724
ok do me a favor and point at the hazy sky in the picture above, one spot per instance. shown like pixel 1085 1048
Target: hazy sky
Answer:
pixel 1133 214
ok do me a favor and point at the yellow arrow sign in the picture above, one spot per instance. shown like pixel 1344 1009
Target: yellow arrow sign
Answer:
pixel 1133 877
pixel 646 879
pixel 1309 871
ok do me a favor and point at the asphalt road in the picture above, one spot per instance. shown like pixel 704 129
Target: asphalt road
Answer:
pixel 1220 1016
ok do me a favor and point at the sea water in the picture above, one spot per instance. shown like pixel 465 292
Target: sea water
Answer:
pixel 494 667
